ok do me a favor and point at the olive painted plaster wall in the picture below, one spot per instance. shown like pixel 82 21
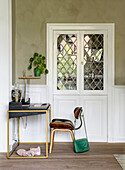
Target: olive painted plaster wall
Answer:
pixel 31 17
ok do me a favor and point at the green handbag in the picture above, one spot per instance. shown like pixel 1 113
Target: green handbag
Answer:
pixel 81 145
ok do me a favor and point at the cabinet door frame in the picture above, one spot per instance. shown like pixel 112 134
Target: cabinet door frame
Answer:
pixel 105 66
pixel 109 28
pixel 80 58
pixel 55 64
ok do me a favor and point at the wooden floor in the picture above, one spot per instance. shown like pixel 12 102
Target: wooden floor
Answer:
pixel 63 157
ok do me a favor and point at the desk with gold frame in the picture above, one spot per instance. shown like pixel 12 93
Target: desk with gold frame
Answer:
pixel 28 112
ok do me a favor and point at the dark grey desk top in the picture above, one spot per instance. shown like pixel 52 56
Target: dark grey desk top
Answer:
pixel 32 107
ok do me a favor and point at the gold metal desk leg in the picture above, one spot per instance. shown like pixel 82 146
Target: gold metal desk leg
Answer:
pixel 49 122
pixel 19 129
pixel 8 134
pixel 47 134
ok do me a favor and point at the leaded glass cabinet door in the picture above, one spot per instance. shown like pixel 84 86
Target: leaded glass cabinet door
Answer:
pixel 79 62
pixel 66 62
pixel 94 61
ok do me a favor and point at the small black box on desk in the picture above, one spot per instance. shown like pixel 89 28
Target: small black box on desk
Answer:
pixel 15 106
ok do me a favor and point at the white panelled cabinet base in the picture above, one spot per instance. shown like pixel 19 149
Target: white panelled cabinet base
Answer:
pixel 81 64
pixel 95 110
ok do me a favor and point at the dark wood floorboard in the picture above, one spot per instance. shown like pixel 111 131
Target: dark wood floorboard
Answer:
pixel 63 157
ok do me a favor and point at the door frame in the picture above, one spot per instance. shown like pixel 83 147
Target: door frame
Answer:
pixel 109 27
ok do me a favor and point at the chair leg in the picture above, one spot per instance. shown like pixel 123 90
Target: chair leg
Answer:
pixel 52 140
pixel 72 135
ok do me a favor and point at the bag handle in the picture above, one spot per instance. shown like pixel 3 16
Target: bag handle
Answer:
pixel 82 115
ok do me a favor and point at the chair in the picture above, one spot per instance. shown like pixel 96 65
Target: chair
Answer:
pixel 65 125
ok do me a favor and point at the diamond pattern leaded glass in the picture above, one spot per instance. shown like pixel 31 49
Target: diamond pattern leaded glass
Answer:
pixel 93 61
pixel 66 62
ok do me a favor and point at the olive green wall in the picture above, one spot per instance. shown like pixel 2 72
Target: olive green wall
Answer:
pixel 31 17
pixel 13 43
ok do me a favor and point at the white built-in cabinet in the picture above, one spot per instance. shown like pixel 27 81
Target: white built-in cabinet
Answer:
pixel 80 61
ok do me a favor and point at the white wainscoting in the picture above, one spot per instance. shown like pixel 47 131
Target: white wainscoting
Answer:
pixel 33 129
pixel 95 110
pixel 119 113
